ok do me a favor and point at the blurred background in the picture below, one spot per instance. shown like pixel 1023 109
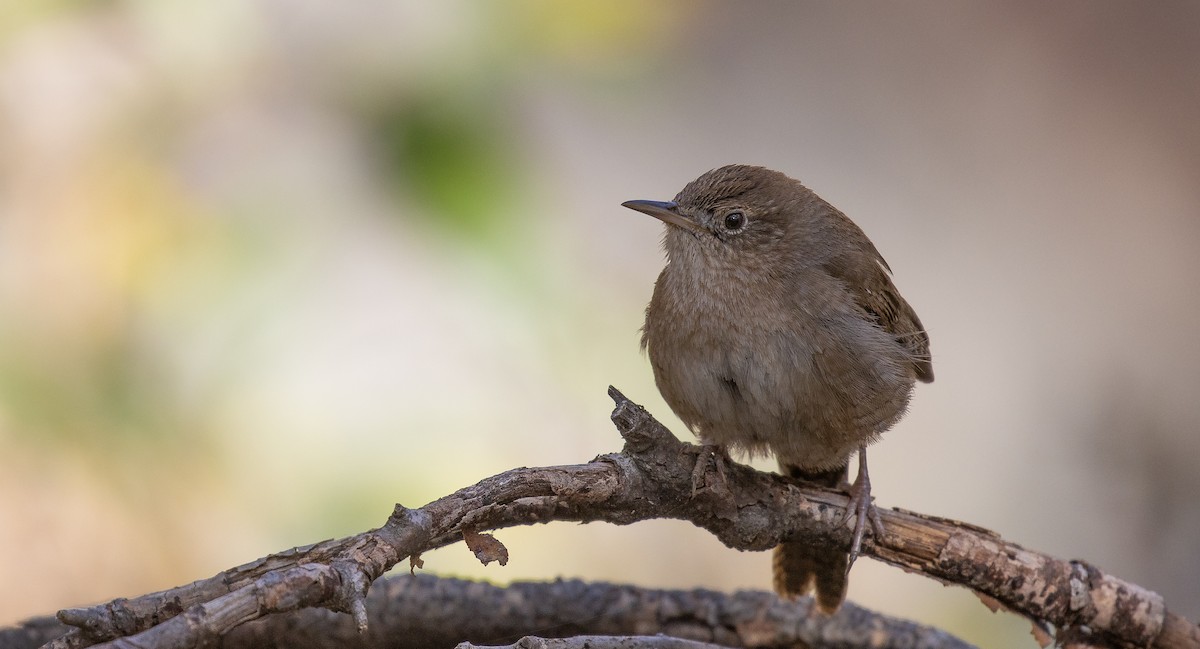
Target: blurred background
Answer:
pixel 267 268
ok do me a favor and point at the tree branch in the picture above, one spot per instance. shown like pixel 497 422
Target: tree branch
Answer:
pixel 599 642
pixel 413 612
pixel 651 478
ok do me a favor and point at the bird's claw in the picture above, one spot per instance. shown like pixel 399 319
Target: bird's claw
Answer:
pixel 861 509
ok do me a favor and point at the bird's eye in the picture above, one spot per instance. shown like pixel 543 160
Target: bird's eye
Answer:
pixel 734 221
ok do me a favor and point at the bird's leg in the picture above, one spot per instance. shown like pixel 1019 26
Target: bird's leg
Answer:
pixel 861 508
pixel 719 456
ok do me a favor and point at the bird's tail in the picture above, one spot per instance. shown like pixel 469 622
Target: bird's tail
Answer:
pixel 802 567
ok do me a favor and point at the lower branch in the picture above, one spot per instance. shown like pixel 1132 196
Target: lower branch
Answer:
pixel 413 612
pixel 599 642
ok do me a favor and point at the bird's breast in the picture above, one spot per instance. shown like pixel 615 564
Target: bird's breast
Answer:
pixel 746 368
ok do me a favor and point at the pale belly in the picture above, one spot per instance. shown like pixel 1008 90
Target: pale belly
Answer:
pixel 811 399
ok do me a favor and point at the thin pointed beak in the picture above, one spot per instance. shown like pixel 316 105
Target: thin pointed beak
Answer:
pixel 665 211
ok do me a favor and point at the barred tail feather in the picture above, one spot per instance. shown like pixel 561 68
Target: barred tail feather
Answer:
pixel 800 568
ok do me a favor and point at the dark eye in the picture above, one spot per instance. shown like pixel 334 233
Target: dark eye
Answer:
pixel 734 221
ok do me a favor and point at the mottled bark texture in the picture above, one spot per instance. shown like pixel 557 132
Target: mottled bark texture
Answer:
pixel 423 611
pixel 653 477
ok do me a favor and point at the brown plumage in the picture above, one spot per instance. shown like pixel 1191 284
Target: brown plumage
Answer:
pixel 775 328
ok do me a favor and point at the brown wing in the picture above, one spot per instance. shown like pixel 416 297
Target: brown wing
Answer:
pixel 871 284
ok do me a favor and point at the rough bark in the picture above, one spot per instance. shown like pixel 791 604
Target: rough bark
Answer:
pixel 653 477
pixel 423 611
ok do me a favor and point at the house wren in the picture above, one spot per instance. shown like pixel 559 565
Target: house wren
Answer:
pixel 775 329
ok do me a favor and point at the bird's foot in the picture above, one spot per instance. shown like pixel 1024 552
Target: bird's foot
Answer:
pixel 860 508
pixel 719 457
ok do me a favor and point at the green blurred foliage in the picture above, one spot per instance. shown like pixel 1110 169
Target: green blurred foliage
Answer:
pixel 98 397
pixel 455 157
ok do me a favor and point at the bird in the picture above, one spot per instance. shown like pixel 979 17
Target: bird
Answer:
pixel 775 329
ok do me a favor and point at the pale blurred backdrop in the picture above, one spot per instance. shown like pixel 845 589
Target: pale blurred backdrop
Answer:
pixel 269 267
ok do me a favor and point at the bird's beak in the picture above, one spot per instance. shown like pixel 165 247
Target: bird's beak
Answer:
pixel 665 211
